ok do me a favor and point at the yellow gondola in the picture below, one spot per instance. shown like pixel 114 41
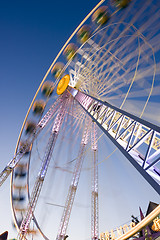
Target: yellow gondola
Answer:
pixel 101 16
pixel 57 69
pixel 70 51
pixel 30 127
pixel 84 33
pixel 47 88
pixel 38 107
pixel 122 3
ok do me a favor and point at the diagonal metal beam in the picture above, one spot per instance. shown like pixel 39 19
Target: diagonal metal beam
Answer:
pixel 132 152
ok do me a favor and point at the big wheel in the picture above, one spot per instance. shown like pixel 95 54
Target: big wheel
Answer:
pixel 91 116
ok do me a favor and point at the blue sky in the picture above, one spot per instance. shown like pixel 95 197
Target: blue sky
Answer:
pixel 32 33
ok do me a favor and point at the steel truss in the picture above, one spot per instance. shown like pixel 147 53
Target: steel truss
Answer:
pixel 136 138
pixel 10 166
pixel 73 188
pixel 26 147
pixel 94 193
pixel 43 170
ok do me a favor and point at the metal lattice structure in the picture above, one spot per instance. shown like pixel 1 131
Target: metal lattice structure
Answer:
pixel 129 133
pixel 41 176
pixel 73 188
pixel 94 191
pixel 113 63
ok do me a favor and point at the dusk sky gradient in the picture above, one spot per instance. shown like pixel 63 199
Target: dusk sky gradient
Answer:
pixel 32 33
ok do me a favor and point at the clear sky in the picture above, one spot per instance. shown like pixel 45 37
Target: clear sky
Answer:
pixel 32 33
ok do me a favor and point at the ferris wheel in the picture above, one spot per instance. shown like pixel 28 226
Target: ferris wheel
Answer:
pixel 102 85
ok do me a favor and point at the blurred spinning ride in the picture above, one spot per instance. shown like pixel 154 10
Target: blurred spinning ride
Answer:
pixel 109 82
